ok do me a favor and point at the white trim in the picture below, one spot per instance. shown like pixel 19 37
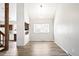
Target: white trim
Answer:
pixel 63 48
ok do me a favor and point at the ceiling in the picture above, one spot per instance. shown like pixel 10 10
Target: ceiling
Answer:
pixel 31 10
pixel 36 11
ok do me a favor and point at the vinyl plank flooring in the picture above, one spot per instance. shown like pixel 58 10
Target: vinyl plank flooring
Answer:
pixel 41 49
pixel 34 49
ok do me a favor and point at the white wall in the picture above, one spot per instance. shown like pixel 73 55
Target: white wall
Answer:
pixel 66 27
pixel 41 36
pixel 2 11
pixel 12 12
pixel 22 39
pixel 40 15
pixel 20 24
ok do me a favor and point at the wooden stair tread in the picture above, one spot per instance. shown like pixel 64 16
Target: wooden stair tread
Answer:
pixel 1 48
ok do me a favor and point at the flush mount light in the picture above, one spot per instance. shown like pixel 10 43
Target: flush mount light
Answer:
pixel 41 6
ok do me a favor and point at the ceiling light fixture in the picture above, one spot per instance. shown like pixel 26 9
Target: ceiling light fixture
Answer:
pixel 41 6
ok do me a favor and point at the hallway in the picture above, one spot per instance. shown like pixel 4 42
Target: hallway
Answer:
pixel 34 27
pixel 41 49
pixel 34 49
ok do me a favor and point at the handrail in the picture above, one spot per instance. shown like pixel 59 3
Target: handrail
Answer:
pixel 3 39
pixel 2 33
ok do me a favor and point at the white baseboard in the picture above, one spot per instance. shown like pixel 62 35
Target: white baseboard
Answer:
pixel 62 48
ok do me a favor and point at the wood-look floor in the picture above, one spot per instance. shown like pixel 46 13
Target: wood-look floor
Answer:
pixel 34 49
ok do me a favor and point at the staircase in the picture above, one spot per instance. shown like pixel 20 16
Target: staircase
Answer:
pixel 2 41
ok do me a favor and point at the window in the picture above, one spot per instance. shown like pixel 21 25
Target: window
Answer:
pixel 41 28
